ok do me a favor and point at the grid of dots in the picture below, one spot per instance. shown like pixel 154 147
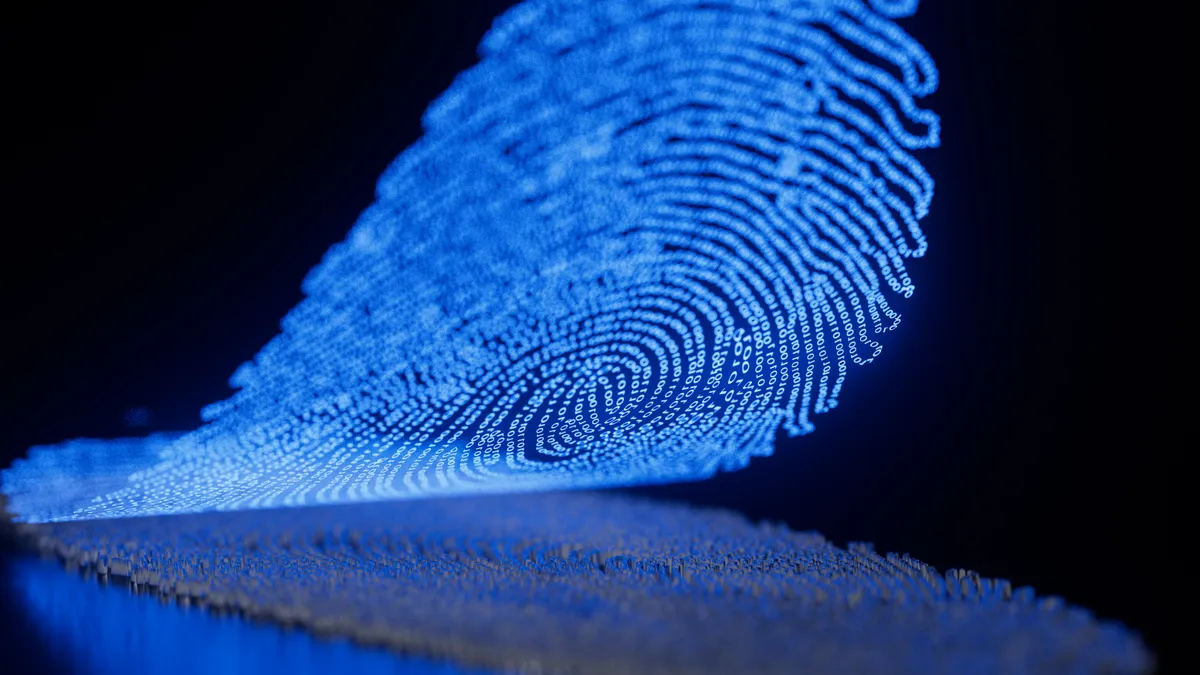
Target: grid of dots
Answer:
pixel 588 583
pixel 636 239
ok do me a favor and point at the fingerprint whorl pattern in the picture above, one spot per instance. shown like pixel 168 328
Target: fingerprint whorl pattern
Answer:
pixel 636 239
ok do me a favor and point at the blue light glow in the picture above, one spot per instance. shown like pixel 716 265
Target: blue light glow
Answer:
pixel 636 239
pixel 107 629
pixel 585 583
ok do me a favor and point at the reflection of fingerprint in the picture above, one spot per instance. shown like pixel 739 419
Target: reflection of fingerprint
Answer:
pixel 582 583
pixel 635 240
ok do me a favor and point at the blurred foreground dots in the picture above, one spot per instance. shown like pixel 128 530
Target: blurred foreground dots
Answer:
pixel 589 583
pixel 635 241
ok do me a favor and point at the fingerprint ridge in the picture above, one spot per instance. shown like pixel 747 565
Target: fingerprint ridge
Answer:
pixel 635 240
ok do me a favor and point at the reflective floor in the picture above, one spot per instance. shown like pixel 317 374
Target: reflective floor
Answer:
pixel 107 628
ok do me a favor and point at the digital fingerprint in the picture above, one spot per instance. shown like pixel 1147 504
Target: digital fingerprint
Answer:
pixel 636 239
pixel 592 584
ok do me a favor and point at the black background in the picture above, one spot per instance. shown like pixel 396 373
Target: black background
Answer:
pixel 175 172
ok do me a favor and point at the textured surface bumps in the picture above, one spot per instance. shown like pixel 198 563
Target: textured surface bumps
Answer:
pixel 636 240
pixel 104 628
pixel 593 583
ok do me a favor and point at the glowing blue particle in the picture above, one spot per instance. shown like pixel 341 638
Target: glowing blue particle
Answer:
pixel 895 7
pixel 138 417
pixel 635 240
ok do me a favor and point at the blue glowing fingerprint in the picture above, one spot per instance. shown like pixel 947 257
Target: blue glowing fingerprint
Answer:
pixel 635 240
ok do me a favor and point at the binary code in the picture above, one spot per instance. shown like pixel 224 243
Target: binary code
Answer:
pixel 635 240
